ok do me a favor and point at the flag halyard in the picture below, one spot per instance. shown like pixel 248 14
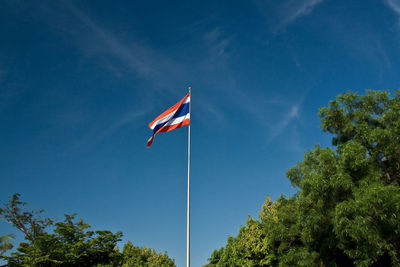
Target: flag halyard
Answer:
pixel 173 118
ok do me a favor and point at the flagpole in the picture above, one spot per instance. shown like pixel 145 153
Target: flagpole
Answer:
pixel 188 190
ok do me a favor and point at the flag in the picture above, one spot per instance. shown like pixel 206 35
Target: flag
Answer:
pixel 173 118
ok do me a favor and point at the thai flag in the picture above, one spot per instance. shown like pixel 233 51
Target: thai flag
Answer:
pixel 173 118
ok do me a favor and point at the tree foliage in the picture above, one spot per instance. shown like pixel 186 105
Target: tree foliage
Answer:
pixel 5 243
pixel 28 222
pixel 70 243
pixel 144 257
pixel 347 209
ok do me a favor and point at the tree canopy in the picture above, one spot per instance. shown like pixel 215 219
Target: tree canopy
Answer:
pixel 346 211
pixel 69 243
pixel 5 243
pixel 143 257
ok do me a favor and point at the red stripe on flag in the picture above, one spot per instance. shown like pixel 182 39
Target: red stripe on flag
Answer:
pixel 167 129
pixel 150 141
pixel 171 109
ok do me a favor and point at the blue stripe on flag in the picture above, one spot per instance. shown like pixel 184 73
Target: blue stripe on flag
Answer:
pixel 181 111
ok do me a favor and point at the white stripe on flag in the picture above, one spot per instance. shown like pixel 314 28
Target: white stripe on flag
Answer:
pixel 162 120
pixel 167 117
pixel 177 120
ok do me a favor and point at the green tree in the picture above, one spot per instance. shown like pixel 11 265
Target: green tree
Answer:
pixel 144 257
pixel 5 243
pixel 70 244
pixel 347 209
pixel 249 248
pixel 366 132
pixel 28 222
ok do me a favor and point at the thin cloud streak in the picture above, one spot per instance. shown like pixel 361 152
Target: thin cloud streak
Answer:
pixel 288 12
pixel 125 119
pixel 395 6
pixel 143 60
pixel 216 43
pixel 303 8
pixel 290 116
pixel 97 134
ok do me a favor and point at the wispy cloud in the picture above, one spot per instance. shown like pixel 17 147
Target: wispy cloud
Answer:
pixel 125 119
pixel 121 55
pixel 296 9
pixel 217 43
pixel 97 133
pixel 361 42
pixel 288 11
pixel 291 115
pixel 395 6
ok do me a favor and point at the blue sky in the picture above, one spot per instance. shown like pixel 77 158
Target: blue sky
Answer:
pixel 81 80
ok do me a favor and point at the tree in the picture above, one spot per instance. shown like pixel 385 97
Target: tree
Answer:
pixel 28 222
pixel 366 132
pixel 5 243
pixel 347 209
pixel 70 243
pixel 249 248
pixel 144 257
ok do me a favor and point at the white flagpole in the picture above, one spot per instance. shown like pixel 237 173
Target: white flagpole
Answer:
pixel 188 190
